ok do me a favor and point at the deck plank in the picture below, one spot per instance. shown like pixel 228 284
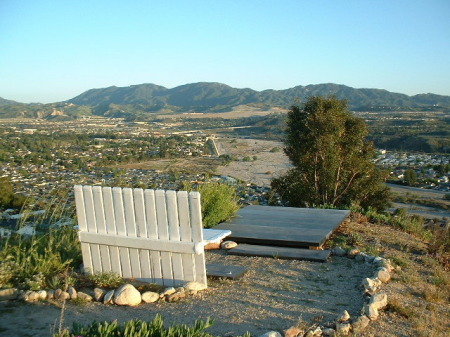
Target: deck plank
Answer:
pixel 281 252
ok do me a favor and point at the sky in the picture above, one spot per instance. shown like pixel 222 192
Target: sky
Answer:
pixel 53 50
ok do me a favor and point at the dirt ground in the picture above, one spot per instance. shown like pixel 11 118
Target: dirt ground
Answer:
pixel 274 294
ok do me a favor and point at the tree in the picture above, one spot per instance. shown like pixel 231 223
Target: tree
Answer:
pixel 410 177
pixel 332 159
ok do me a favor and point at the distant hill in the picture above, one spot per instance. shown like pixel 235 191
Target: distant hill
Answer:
pixel 137 101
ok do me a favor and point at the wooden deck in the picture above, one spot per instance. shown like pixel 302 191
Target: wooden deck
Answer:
pixel 284 226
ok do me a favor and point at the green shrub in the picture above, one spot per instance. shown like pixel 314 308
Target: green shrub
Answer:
pixel 138 328
pixel 219 203
pixel 106 279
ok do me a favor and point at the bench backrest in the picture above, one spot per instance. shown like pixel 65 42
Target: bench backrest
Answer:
pixel 149 235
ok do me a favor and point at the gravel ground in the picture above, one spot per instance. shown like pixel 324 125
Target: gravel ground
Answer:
pixel 273 295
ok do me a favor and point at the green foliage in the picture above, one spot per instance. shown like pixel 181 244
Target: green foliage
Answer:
pixel 410 177
pixel 331 158
pixel 218 201
pixel 8 199
pixel 447 196
pixel 106 279
pixel 138 328
pixel 29 261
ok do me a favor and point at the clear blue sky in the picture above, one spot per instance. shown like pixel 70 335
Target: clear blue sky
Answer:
pixel 54 50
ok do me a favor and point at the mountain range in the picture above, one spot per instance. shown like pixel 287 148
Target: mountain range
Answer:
pixel 213 97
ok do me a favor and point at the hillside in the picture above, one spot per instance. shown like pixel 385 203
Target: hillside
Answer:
pixel 137 101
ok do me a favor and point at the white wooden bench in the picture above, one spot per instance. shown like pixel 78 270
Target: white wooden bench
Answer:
pixel 149 235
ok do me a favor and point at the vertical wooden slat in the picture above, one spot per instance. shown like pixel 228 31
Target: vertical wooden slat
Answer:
pixel 163 234
pixel 152 232
pixel 130 222
pixel 197 235
pixel 111 228
pixel 174 235
pixel 185 234
pixel 92 227
pixel 119 214
pixel 101 226
pixel 144 257
pixel 82 225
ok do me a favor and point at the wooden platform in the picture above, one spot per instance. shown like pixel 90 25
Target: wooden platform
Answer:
pixel 281 252
pixel 284 226
pixel 224 271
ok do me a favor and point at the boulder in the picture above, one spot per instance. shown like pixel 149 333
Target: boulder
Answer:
pixel 328 332
pixel 383 275
pixel 150 297
pixel 371 312
pixel 57 293
pixel 109 297
pixel 195 286
pixel 344 317
pixel 72 292
pixel 293 331
pixel 42 294
pixel 127 295
pixel 271 334
pixel 99 294
pixel 338 251
pixel 228 245
pixel 84 296
pixel 317 332
pixel 175 297
pixel 343 328
pixel 51 294
pixel 168 291
pixel 360 323
pixel 64 296
pixel 8 294
pixel 379 301
pixel 353 252
pixel 31 296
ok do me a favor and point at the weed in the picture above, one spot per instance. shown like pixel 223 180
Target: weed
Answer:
pixel 107 280
pixel 395 306
pixel 400 261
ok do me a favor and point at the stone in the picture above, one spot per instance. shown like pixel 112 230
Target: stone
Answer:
pixel 109 297
pixel 378 260
pixel 360 257
pixel 84 296
pixel 228 245
pixel 99 294
pixel 72 292
pixel 175 297
pixel 344 317
pixel 127 295
pixel 353 252
pixel 31 296
pixel 50 294
pixel 317 332
pixel 42 294
pixel 150 297
pixel 195 286
pixel 371 311
pixel 343 328
pixel 383 275
pixel 368 258
pixel 379 301
pixel 57 293
pixel 168 291
pixel 338 251
pixel 293 331
pixel 271 334
pixel 328 332
pixel 360 323
pixel 64 296
pixel 8 294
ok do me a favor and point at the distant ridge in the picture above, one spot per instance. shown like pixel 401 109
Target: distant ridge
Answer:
pixel 136 101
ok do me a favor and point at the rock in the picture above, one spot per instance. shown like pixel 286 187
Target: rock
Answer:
pixel 195 286
pixel 84 296
pixel 343 328
pixel 72 292
pixel 64 296
pixel 368 258
pixel 8 294
pixel 317 332
pixel 371 312
pixel 338 251
pixel 42 294
pixel 271 334
pixel 353 252
pixel 127 295
pixel 168 291
pixel 379 301
pixel 344 317
pixel 31 296
pixel 57 293
pixel 293 331
pixel 109 297
pixel 360 323
pixel 175 297
pixel 328 332
pixel 378 260
pixel 212 246
pixel 51 294
pixel 150 297
pixel 99 294
pixel 228 245
pixel 360 257
pixel 383 275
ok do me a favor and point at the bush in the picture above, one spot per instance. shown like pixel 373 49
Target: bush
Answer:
pixel 108 280
pixel 219 203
